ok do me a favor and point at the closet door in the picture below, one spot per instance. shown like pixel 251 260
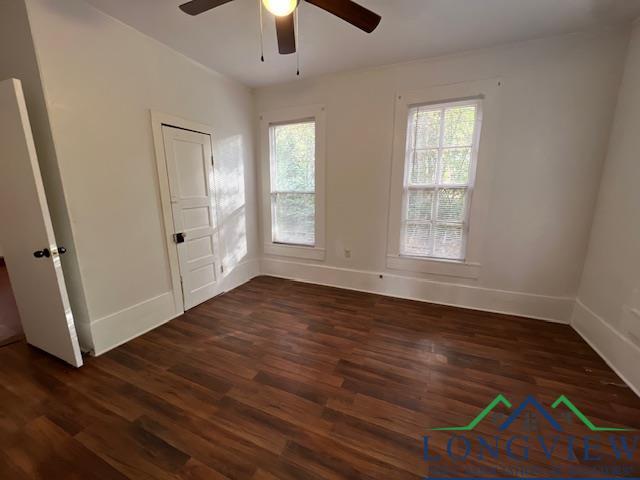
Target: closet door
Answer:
pixel 190 170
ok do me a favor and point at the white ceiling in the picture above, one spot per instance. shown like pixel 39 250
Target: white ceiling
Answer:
pixel 226 39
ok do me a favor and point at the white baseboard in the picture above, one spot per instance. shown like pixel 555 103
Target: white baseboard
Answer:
pixel 553 309
pixel 113 330
pixel 241 273
pixel 615 349
pixel 120 327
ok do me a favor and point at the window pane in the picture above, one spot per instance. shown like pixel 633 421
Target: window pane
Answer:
pixel 294 152
pixel 458 125
pixel 455 165
pixel 448 242
pixel 419 205
pixel 418 239
pixel 293 218
pixel 451 204
pixel 423 167
pixel 427 128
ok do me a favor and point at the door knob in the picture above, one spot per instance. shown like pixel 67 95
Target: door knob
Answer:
pixel 42 253
pixel 179 237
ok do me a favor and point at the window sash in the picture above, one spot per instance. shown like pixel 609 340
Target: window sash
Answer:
pixel 278 218
pixel 278 234
pixel 436 185
pixel 433 222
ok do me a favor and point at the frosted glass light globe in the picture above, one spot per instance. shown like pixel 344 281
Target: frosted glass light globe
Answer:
pixel 280 8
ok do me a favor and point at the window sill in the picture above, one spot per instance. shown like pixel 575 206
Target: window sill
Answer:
pixel 296 251
pixel 450 268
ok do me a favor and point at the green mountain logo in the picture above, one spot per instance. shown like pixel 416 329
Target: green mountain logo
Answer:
pixel 487 410
pixel 561 400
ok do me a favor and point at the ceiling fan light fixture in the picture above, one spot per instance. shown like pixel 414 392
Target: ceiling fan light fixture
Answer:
pixel 280 8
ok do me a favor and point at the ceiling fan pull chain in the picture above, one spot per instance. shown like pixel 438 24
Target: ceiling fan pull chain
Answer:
pixel 261 32
pixel 297 33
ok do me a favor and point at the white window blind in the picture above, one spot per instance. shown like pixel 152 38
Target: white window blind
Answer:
pixel 293 186
pixel 439 170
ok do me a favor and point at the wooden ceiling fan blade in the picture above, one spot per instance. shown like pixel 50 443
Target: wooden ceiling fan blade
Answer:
pixel 196 7
pixel 286 34
pixel 351 12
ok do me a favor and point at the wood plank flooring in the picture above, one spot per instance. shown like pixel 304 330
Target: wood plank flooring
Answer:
pixel 284 380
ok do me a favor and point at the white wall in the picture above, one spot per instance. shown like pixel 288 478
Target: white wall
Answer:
pixel 610 288
pixel 101 78
pixel 18 60
pixel 557 100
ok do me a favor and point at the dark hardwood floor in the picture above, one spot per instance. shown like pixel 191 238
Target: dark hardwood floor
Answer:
pixel 284 380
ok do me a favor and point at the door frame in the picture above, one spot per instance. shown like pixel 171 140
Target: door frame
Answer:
pixel 158 120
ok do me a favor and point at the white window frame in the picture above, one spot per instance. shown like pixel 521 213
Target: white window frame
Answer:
pixel 315 113
pixel 479 184
pixel 435 187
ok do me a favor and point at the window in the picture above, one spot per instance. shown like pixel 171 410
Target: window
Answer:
pixel 293 194
pixel 434 226
pixel 293 178
pixel 439 168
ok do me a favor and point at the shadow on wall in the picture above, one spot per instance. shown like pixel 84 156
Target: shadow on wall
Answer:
pixel 231 200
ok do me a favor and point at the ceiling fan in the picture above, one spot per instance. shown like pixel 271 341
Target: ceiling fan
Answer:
pixel 349 11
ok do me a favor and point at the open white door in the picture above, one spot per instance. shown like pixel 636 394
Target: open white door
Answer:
pixel 29 246
pixel 191 185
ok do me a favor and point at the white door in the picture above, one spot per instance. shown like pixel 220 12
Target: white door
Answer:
pixel 29 246
pixel 190 170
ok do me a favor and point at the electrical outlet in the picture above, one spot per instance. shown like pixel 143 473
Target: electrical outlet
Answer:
pixel 347 253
